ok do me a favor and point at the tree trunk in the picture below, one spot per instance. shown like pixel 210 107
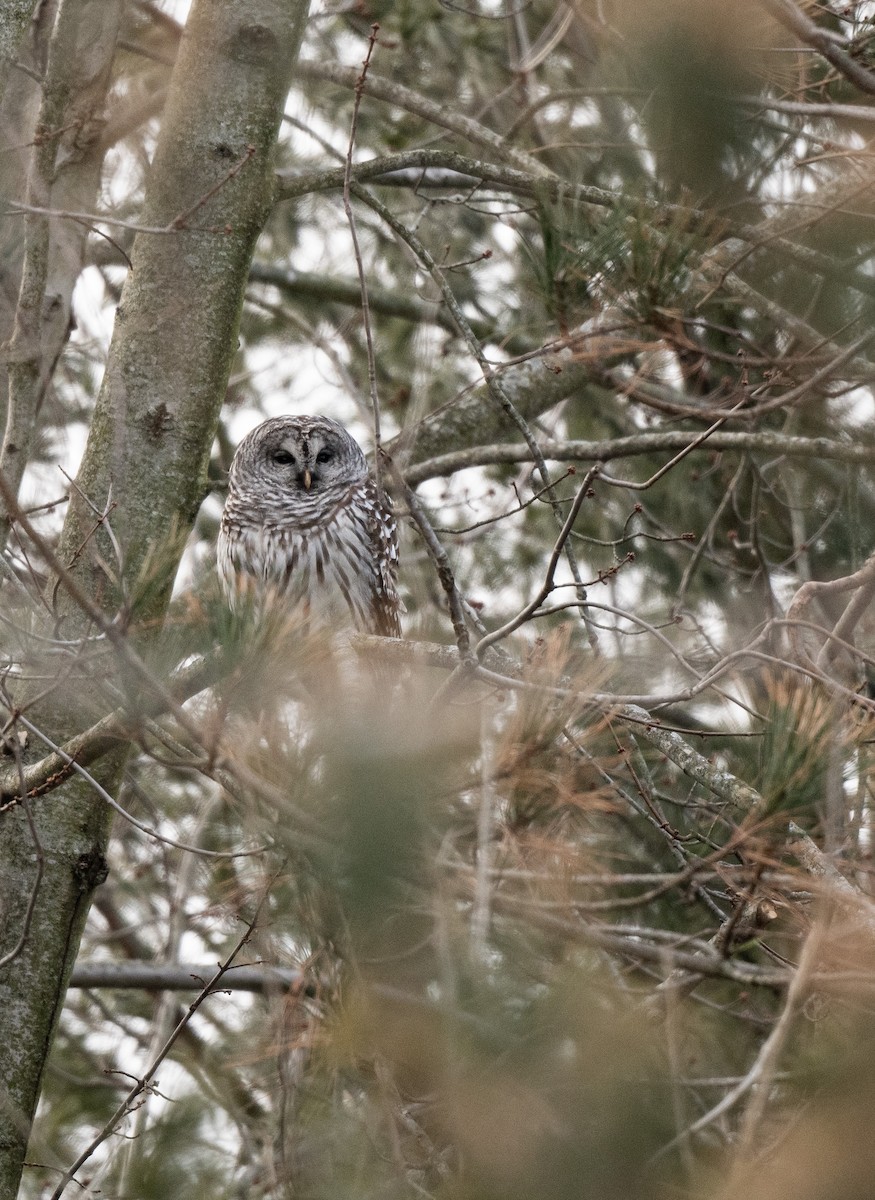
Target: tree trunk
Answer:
pixel 209 192
pixel 64 176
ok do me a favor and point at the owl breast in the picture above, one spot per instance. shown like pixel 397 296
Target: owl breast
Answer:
pixel 338 569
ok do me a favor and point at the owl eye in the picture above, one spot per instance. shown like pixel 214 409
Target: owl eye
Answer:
pixel 283 457
pixel 324 456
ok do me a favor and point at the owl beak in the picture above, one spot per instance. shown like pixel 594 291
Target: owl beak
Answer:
pixel 308 478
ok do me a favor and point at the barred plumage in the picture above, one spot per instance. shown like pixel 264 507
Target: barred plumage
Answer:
pixel 305 523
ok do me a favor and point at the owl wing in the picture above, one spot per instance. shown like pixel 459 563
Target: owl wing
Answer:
pixel 383 534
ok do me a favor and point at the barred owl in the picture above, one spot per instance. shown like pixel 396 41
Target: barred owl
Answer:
pixel 306 523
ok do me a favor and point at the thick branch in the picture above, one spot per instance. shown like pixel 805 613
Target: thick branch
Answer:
pixel 183 977
pixel 675 748
pixel 768 234
pixel 442 115
pixel 470 172
pixel 637 444
pixel 48 773
pixel 794 19
pixel 533 387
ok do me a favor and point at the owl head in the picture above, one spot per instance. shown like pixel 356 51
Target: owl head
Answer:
pixel 302 456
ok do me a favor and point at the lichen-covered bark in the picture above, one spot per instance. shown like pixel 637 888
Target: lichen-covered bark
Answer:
pixel 15 16
pixel 533 387
pixel 210 188
pixel 476 420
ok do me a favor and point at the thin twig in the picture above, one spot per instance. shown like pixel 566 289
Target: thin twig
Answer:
pixel 90 745
pixel 693 445
pixel 114 804
pixel 180 221
pixel 149 1074
pixel 761 1073
pixel 441 561
pixel 481 907
pixel 546 588
pixel 493 381
pixel 363 284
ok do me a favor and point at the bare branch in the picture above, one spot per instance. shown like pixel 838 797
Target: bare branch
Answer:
pixel 148 1075
pixel 808 31
pixel 184 977
pixel 437 114
pixel 638 444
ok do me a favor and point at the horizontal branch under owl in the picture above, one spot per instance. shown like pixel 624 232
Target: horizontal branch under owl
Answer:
pixel 494 671
pixel 44 776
